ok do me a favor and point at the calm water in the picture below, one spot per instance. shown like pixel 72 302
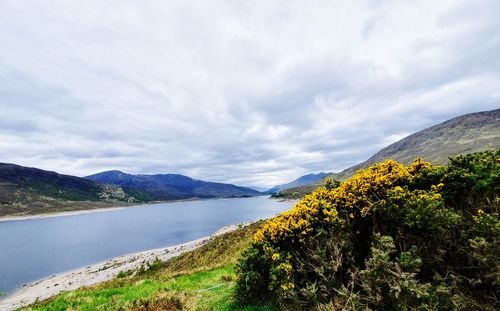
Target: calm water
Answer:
pixel 38 248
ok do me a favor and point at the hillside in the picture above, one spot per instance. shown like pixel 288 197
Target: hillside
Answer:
pixel 465 134
pixel 30 191
pixel 301 181
pixel 172 186
pixel 26 190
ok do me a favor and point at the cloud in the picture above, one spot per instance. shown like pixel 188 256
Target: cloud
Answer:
pixel 251 93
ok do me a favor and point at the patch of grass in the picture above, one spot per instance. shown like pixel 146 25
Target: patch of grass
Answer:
pixel 221 251
pixel 205 290
pixel 202 279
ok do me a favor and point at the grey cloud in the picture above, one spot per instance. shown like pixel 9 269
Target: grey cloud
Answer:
pixel 254 93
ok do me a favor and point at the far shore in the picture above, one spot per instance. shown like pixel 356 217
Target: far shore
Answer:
pixel 100 209
pixel 96 273
pixel 65 213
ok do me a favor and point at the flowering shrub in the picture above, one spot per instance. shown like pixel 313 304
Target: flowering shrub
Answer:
pixel 437 251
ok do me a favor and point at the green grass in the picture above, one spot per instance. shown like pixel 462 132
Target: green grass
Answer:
pixel 203 279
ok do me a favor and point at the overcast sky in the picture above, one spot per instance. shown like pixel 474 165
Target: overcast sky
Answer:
pixel 252 93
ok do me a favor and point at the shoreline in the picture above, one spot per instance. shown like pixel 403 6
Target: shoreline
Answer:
pixel 65 213
pixel 101 209
pixel 99 272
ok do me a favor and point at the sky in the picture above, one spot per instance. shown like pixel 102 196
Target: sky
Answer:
pixel 255 93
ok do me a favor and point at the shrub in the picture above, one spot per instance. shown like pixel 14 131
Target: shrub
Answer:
pixel 391 237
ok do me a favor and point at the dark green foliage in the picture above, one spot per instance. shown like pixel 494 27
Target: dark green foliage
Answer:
pixel 254 279
pixel 473 181
pixel 431 243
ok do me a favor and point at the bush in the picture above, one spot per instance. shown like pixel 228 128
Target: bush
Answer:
pixel 391 237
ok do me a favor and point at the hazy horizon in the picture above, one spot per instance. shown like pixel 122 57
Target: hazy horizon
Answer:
pixel 253 94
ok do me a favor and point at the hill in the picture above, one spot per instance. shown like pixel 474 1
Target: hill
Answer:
pixel 27 190
pixel 465 134
pixel 301 181
pixel 30 191
pixel 171 186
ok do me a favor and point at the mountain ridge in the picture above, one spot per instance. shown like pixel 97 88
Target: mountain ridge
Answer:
pixel 469 126
pixel 172 186
pixel 30 190
pixel 468 133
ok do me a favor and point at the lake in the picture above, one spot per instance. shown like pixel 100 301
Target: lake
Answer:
pixel 38 248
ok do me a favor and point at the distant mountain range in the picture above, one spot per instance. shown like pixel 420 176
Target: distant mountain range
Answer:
pixel 26 190
pixel 171 186
pixel 301 181
pixel 468 133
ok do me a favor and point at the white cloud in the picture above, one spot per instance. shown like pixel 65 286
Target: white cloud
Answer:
pixel 255 93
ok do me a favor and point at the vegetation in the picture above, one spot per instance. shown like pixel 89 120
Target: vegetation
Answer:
pixel 301 191
pixel 202 279
pixel 294 193
pixel 392 237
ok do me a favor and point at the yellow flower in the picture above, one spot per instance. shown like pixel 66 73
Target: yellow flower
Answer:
pixel 356 195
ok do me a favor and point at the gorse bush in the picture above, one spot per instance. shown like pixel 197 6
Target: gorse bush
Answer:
pixel 392 237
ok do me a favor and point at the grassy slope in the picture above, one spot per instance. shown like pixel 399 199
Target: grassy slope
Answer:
pixel 199 280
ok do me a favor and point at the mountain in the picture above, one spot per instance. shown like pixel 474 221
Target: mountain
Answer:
pixel 260 189
pixel 465 134
pixel 171 186
pixel 301 181
pixel 27 190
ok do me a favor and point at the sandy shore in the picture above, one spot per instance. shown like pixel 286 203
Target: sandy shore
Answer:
pixel 96 273
pixel 68 213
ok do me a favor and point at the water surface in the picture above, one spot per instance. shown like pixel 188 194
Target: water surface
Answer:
pixel 37 248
